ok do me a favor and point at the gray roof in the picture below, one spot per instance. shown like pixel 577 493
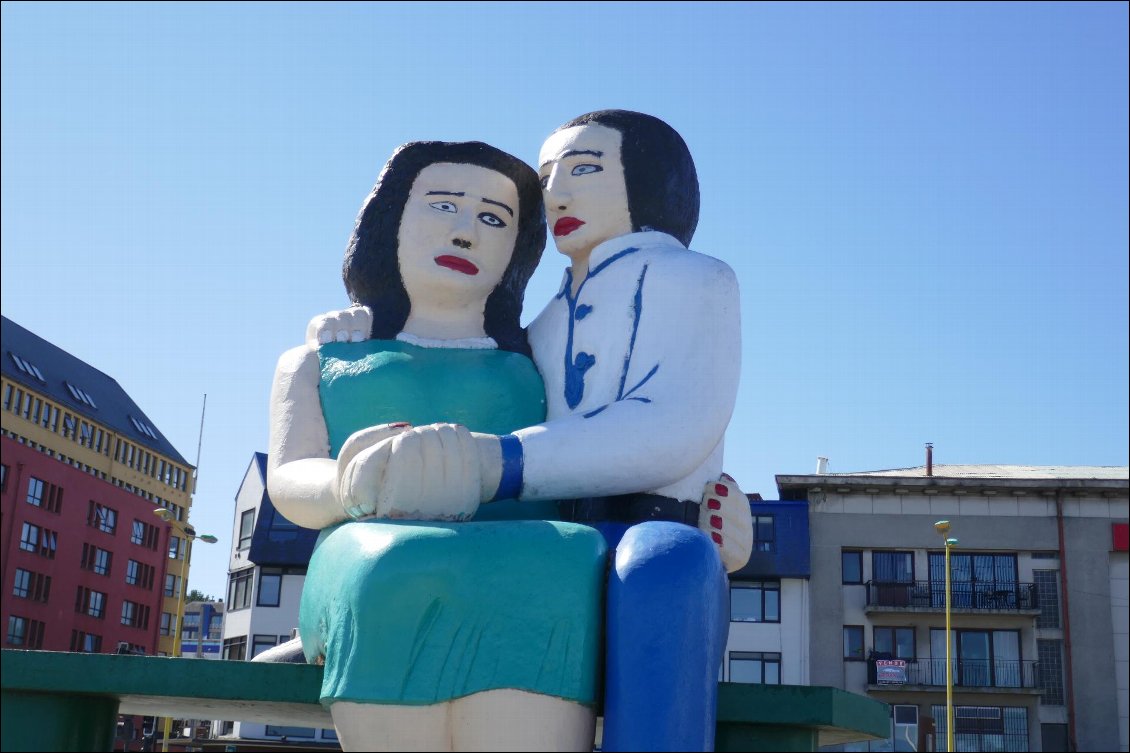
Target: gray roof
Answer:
pixel 1011 472
pixel 32 361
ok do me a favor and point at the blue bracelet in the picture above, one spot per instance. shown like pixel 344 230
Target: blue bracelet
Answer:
pixel 510 485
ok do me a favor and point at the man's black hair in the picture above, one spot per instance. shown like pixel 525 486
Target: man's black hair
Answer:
pixel 660 175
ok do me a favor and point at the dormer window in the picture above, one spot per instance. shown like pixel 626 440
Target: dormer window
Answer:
pixel 81 395
pixel 27 367
pixel 143 427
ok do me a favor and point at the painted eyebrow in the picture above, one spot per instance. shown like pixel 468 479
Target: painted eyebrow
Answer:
pixel 573 153
pixel 498 204
pixel 444 193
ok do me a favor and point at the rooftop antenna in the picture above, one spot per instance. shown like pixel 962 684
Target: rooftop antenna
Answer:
pixel 199 442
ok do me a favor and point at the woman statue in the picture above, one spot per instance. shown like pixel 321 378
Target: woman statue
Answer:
pixel 446 634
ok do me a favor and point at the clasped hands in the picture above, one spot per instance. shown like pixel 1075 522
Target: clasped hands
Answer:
pixel 429 472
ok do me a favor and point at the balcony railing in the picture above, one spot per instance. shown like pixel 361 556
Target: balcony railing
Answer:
pixel 968 673
pixel 927 594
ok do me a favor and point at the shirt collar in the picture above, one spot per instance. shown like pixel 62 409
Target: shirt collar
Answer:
pixel 609 248
pixel 641 240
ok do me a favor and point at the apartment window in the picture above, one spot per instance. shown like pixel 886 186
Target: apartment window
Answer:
pixel 88 643
pixel 246 528
pixel 24 632
pixel 32 586
pixel 892 567
pixel 21 585
pixel 144 534
pixel 216 626
pixel 139 574
pixel 985 727
pixel 167 621
pixel 976 580
pixel 983 658
pixel 755 667
pixel 235 648
pixel 3 478
pixel 1049 671
pixel 895 642
pixel 103 518
pixel 853 643
pixel 96 559
pixel 34 491
pixel 260 643
pixel 176 547
pixel 135 615
pixel 172 585
pixel 91 602
pixel 17 630
pixel 239 589
pixel 851 566
pixel 270 583
pixel 41 541
pixel 29 538
pixel 764 534
pixel 755 601
pixel 1047 594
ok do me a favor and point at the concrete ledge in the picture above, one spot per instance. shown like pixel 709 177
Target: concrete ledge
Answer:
pixel 72 686
pixel 835 715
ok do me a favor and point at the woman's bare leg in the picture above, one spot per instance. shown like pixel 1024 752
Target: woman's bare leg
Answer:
pixel 519 720
pixel 382 727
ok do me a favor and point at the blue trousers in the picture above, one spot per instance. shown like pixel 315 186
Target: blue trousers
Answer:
pixel 667 619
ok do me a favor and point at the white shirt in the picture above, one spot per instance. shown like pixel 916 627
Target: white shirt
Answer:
pixel 641 372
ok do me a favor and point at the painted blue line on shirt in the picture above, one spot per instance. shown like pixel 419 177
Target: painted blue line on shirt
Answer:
pixel 643 381
pixel 575 367
pixel 637 309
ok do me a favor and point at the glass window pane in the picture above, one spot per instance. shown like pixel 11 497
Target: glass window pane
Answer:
pixel 772 605
pixel 852 566
pixel 745 604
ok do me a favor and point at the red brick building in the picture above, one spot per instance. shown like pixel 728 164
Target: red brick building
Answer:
pixel 86 564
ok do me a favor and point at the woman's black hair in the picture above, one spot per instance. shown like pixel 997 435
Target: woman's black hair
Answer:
pixel 372 273
pixel 658 170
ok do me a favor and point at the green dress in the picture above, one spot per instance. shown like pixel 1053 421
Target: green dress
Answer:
pixel 419 613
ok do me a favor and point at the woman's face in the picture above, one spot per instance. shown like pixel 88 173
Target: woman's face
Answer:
pixel 586 197
pixel 457 233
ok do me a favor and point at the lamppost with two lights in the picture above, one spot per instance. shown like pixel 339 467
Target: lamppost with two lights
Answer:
pixel 190 535
pixel 943 528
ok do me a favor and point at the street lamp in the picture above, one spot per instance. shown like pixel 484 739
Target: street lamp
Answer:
pixel 189 534
pixel 943 528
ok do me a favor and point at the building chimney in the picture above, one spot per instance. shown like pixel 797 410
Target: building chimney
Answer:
pixel 821 466
pixel 929 458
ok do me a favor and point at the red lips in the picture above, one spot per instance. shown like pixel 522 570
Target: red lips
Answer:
pixel 566 225
pixel 458 263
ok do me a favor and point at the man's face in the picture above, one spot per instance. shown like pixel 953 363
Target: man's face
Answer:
pixel 457 231
pixel 586 198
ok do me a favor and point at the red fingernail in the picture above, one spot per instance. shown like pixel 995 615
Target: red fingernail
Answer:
pixel 715 521
pixel 399 424
pixel 721 490
pixel 714 504
pixel 717 538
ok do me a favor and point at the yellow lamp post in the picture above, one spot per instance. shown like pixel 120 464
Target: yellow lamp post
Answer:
pixel 943 528
pixel 189 534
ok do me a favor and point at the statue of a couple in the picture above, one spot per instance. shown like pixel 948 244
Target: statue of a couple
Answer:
pixel 471 477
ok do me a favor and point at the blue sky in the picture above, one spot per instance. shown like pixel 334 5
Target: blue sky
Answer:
pixel 926 204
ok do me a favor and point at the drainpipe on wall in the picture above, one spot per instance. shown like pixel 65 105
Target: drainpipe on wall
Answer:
pixel 1068 675
pixel 11 521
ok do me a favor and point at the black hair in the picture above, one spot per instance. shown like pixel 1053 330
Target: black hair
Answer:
pixel 660 175
pixel 371 270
